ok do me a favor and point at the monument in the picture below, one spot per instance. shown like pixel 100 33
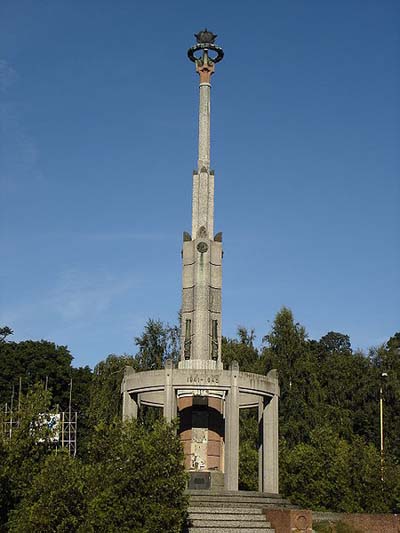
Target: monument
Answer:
pixel 205 396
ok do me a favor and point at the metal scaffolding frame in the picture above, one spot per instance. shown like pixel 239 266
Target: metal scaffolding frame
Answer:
pixel 65 428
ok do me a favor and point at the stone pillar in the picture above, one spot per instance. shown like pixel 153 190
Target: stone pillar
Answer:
pixel 129 401
pixel 129 405
pixel 232 431
pixel 260 442
pixel 170 408
pixel 204 121
pixel 270 446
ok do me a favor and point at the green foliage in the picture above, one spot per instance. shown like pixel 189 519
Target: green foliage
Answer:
pixel 329 424
pixel 33 362
pixel 135 479
pixel 335 343
pixel 105 393
pixel 386 358
pixel 329 417
pixel 333 527
pixel 56 499
pixel 82 379
pixel 241 350
pixel 132 480
pixel 248 466
pixel 5 331
pixel 157 343
pixel 315 471
pixel 248 450
pixel 288 351
pixel 330 473
pixel 24 450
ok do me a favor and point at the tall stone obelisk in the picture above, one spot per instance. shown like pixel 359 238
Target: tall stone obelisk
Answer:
pixel 206 398
pixel 202 251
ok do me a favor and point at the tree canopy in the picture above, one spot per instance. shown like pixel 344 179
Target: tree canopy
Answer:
pixel 329 430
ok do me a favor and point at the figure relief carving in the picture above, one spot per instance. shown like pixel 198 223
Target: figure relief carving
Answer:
pixel 214 340
pixel 187 348
pixel 202 232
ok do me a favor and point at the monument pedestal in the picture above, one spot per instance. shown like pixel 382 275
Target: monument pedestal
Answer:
pixel 208 403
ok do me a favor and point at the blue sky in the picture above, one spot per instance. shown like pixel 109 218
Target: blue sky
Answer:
pixel 98 126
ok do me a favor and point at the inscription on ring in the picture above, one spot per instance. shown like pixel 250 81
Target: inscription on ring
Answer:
pixel 200 380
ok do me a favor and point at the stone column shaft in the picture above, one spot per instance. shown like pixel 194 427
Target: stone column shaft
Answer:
pixel 270 446
pixel 232 432
pixel 260 443
pixel 129 406
pixel 204 126
pixel 170 405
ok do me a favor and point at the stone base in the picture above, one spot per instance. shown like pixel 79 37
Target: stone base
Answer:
pixel 206 481
pixel 217 480
pixel 290 520
pixel 221 511
pixel 238 498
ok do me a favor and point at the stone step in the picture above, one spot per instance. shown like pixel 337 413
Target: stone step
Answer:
pixel 261 524
pixel 231 511
pixel 230 530
pixel 228 516
pixel 231 493
pixel 224 510
pixel 238 499
pixel 243 494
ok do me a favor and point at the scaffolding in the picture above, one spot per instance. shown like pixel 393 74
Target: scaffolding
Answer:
pixel 62 425
pixel 69 426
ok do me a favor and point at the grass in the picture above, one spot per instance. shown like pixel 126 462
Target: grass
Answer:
pixel 333 527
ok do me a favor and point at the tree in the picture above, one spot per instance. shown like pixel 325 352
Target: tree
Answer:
pixel 157 343
pixel 55 501
pixel 5 331
pixel 348 383
pixel 335 343
pixel 24 451
pixel 35 361
pixel 133 480
pixel 241 350
pixel 330 473
pixel 82 378
pixel 105 389
pixel 288 350
pixel 248 449
pixel 386 359
pixel 136 479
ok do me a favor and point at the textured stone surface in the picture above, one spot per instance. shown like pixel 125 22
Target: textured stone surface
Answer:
pixel 212 444
pixel 290 520
pixel 221 519
pixel 204 125
pixel 238 499
pixel 230 530
pixel 365 523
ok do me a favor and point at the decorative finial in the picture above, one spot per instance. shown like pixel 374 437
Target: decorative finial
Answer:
pixel 205 37
pixel 205 43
